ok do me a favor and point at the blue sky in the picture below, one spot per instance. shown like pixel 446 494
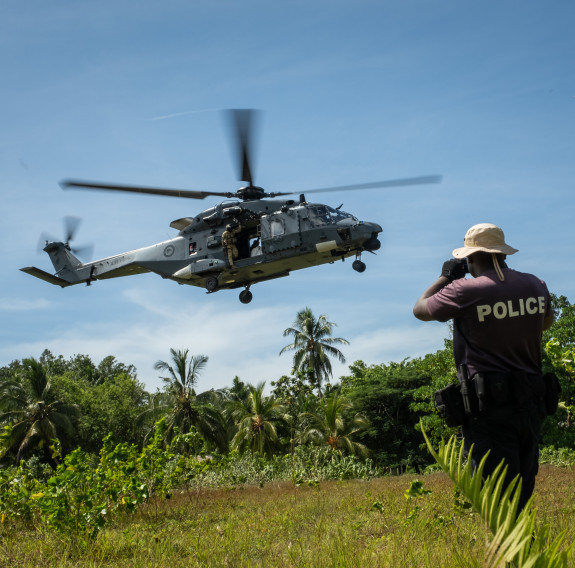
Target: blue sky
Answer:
pixel 351 92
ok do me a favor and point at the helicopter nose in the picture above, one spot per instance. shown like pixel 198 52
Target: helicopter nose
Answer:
pixel 372 243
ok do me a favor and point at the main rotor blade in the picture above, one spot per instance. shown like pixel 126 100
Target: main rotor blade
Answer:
pixel 378 184
pixel 78 184
pixel 242 123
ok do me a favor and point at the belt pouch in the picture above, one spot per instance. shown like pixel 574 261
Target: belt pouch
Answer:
pixel 450 405
pixel 552 392
pixel 499 387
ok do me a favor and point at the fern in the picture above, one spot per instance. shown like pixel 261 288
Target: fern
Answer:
pixel 516 540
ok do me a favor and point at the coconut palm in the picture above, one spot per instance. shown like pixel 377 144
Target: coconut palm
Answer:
pixel 183 371
pixel 329 425
pixel 313 346
pixel 256 418
pixel 34 417
pixel 180 403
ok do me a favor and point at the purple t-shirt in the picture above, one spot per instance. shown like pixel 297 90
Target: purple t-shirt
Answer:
pixel 497 326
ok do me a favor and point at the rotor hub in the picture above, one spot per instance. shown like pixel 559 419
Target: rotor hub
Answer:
pixel 251 192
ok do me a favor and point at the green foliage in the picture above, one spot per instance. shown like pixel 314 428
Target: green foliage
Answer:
pixel 515 538
pixel 383 394
pixel 111 406
pixel 297 398
pixel 313 346
pixel 563 328
pixel 35 415
pixel 416 490
pixel 81 367
pixel 94 399
pixel 293 387
pixel 559 347
pixel 560 457
pixel 413 494
pixel 439 367
pixel 335 424
pixel 307 464
pixel 559 354
pixel 85 493
pixel 183 408
pixel 256 417
pixel 323 464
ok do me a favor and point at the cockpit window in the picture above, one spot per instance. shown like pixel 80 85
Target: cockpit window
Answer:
pixel 323 214
pixel 338 214
pixel 319 214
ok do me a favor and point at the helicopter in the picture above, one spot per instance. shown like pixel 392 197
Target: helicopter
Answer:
pixel 250 237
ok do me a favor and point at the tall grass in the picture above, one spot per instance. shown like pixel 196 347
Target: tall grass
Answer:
pixel 356 523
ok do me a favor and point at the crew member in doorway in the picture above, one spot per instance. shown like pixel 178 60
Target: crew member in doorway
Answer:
pixel 229 242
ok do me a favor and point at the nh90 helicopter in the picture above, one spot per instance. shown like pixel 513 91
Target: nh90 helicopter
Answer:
pixel 249 238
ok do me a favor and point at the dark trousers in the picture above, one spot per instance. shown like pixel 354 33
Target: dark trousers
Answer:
pixel 509 434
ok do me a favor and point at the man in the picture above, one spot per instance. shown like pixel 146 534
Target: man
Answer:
pixel 229 242
pixel 498 318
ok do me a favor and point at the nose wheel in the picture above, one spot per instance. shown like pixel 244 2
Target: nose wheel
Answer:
pixel 246 296
pixel 358 265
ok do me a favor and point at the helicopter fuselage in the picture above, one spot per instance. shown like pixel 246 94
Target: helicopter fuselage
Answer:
pixel 272 237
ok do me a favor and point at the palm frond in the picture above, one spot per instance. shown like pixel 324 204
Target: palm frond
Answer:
pixel 515 539
pixel 36 375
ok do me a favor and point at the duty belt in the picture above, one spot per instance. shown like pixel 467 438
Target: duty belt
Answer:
pixel 487 390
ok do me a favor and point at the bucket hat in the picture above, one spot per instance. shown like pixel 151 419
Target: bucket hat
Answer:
pixel 484 237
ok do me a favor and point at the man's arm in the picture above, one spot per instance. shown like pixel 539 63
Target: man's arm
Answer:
pixel 451 270
pixel 420 310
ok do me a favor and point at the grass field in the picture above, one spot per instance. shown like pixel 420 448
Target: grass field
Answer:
pixel 348 524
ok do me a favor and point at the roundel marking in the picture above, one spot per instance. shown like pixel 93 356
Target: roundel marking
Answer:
pixel 169 250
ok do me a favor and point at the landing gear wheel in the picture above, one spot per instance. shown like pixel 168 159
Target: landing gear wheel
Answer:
pixel 211 284
pixel 246 296
pixel 358 266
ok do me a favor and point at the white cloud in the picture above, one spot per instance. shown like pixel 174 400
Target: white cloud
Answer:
pixel 238 340
pixel 20 305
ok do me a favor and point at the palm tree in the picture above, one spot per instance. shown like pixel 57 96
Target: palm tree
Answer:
pixel 328 425
pixel 256 418
pixel 184 408
pixel 184 371
pixel 36 419
pixel 313 346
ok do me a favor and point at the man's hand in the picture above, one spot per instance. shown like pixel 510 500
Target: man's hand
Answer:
pixel 451 270
pixel 454 269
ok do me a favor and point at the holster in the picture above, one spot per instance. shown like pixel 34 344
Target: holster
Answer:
pixel 470 399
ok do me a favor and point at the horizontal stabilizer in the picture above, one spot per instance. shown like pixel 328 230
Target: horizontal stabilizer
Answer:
pixel 32 270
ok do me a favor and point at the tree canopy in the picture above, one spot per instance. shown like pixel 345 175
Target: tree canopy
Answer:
pixel 313 346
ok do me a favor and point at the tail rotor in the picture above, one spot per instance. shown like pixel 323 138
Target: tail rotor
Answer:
pixel 71 225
